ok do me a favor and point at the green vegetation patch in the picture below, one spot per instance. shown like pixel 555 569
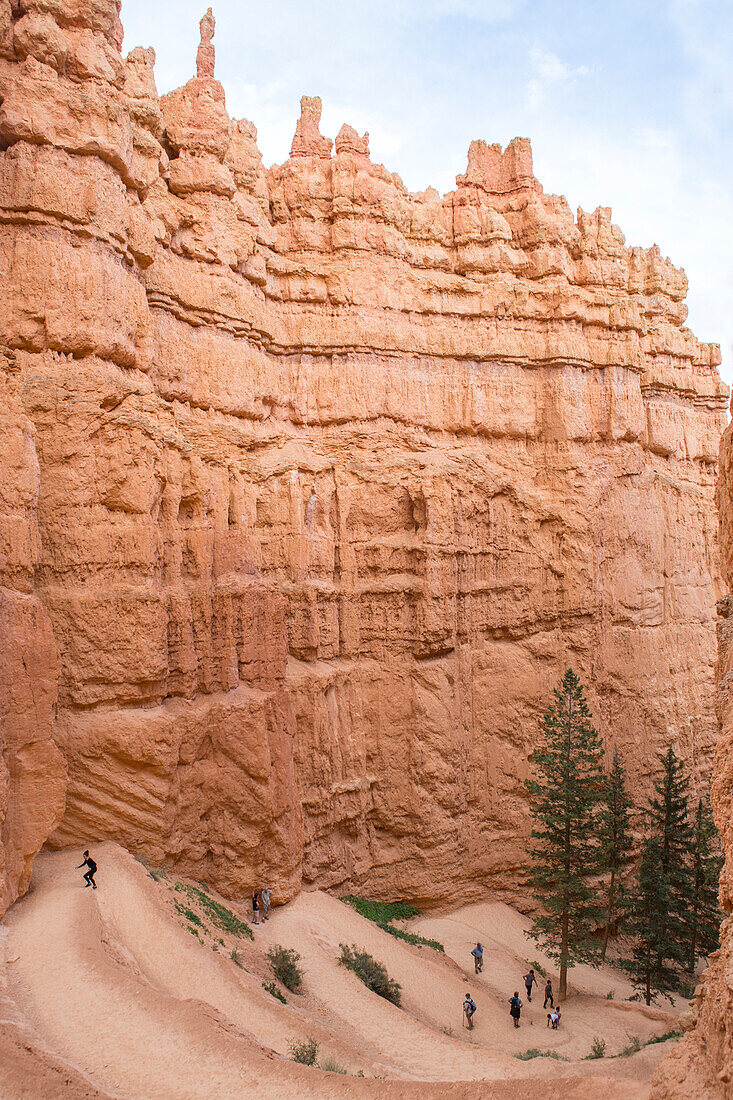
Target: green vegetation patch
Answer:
pixel 663 1038
pixel 330 1065
pixel 371 973
pixel 533 1052
pixel 382 913
pixel 597 1048
pixel 217 913
pixel 539 968
pixel 275 992
pixel 284 965
pixel 190 916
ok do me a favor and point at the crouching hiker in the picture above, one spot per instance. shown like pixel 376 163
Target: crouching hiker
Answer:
pixel 469 1009
pixel 553 1018
pixel 90 872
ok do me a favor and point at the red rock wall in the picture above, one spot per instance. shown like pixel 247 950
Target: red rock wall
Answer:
pixel 337 479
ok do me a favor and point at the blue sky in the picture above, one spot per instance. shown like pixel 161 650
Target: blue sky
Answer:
pixel 628 104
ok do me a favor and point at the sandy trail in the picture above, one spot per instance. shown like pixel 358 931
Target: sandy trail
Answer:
pixel 109 989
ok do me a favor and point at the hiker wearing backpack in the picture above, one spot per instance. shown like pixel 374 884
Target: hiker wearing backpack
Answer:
pixel 469 1008
pixel 515 1007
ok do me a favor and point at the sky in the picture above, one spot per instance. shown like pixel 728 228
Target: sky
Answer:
pixel 628 103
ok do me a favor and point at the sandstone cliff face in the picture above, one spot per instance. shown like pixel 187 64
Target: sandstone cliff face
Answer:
pixel 701 1064
pixel 335 479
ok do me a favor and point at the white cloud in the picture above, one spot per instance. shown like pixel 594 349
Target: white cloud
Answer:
pixel 549 69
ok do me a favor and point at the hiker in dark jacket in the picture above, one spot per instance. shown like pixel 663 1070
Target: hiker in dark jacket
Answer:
pixel 255 907
pixel 515 1008
pixel 90 872
pixel 549 994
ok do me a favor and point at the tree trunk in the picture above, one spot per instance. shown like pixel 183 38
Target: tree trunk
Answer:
pixel 563 991
pixel 607 929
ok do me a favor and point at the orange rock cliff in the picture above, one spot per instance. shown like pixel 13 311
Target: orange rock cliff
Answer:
pixel 313 487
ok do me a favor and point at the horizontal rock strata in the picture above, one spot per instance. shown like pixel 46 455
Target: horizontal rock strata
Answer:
pixel 336 479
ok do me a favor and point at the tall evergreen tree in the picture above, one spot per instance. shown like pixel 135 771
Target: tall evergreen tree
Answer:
pixel 565 795
pixel 650 968
pixel 670 823
pixel 615 844
pixel 704 915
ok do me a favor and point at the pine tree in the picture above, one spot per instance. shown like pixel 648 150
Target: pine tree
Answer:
pixel 704 916
pixel 648 967
pixel 564 804
pixel 615 844
pixel 670 823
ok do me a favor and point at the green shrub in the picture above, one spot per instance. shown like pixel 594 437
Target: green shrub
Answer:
pixel 539 968
pixel 663 1038
pixel 330 1065
pixel 533 1052
pixel 634 1046
pixel 610 995
pixel 284 965
pixel 372 973
pixel 190 916
pixel 217 913
pixel 597 1048
pixel 236 958
pixel 305 1051
pixel 275 992
pixel 382 913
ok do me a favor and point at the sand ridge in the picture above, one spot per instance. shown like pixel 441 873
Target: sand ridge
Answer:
pixel 110 984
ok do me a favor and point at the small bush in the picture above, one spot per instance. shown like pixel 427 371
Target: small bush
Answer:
pixel 533 1052
pixel 610 995
pixel 663 1038
pixel 597 1048
pixel 330 1065
pixel 634 1046
pixel 217 913
pixel 372 973
pixel 236 958
pixel 305 1051
pixel 284 965
pixel 275 992
pixel 539 968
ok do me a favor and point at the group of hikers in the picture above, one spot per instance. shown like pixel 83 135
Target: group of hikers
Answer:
pixel 261 905
pixel 515 1002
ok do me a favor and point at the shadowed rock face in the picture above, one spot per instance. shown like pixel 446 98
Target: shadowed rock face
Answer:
pixel 335 480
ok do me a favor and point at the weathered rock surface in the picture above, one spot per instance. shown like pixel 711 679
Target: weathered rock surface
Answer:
pixel 702 1062
pixel 335 479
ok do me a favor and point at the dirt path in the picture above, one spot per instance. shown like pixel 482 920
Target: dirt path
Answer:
pixel 109 987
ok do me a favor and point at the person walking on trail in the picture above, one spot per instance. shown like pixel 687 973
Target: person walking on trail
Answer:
pixel 549 994
pixel 469 1008
pixel 255 907
pixel 529 981
pixel 478 958
pixel 90 872
pixel 265 897
pixel 515 1008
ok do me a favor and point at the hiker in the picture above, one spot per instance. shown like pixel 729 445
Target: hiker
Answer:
pixel 255 907
pixel 469 1008
pixel 553 1018
pixel 549 996
pixel 515 1010
pixel 478 958
pixel 265 898
pixel 90 873
pixel 529 981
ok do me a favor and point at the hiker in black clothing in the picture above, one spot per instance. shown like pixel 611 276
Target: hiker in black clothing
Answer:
pixel 529 981
pixel 255 908
pixel 548 994
pixel 90 873
pixel 515 1009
